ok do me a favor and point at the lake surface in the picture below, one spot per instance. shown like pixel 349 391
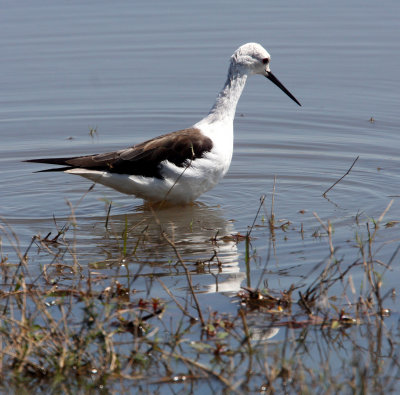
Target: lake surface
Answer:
pixel 131 72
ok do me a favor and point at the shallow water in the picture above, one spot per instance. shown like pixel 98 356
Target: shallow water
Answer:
pixel 133 73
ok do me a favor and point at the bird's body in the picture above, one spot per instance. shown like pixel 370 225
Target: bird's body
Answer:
pixel 178 167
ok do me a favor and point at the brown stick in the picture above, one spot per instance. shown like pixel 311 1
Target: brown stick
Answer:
pixel 231 387
pixel 184 311
pixel 188 276
pixel 341 178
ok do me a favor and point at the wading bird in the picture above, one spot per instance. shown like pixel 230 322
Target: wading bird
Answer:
pixel 178 167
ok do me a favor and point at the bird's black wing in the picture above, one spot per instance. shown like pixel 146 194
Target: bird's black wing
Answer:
pixel 144 159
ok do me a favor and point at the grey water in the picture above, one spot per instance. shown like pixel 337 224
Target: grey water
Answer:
pixel 86 78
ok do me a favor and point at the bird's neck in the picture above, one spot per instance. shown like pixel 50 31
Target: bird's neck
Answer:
pixel 224 107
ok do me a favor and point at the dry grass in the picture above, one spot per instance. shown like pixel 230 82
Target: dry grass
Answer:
pixel 72 329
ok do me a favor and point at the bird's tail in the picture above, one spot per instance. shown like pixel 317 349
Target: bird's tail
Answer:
pixel 52 161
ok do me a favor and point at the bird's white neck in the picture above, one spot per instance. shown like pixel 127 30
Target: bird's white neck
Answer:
pixel 224 107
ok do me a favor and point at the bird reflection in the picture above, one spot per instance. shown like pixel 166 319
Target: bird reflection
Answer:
pixel 199 235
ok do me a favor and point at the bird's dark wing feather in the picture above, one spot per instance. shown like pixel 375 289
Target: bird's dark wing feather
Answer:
pixel 144 159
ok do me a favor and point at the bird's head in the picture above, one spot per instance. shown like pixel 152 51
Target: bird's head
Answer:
pixel 252 58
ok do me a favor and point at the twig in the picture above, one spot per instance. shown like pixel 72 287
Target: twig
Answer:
pixel 385 211
pixel 108 215
pixel 272 216
pixel 178 178
pixel 262 199
pixel 328 229
pixel 247 252
pixel 188 277
pixel 247 339
pixel 204 368
pixel 184 311
pixel 341 178
pixel 22 263
pixel 380 219
pixel 187 272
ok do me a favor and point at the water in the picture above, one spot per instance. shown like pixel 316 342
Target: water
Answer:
pixel 132 72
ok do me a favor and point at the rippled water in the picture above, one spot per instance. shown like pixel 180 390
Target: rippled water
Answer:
pixel 134 72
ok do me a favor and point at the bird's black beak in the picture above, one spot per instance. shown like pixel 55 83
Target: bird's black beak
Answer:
pixel 279 84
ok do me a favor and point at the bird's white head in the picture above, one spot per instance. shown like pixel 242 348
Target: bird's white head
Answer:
pixel 252 58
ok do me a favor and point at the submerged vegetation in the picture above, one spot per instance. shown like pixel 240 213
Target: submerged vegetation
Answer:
pixel 74 323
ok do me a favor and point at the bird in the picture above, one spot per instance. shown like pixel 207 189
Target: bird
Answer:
pixel 178 167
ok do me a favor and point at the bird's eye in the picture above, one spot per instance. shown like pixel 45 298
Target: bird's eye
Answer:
pixel 265 61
